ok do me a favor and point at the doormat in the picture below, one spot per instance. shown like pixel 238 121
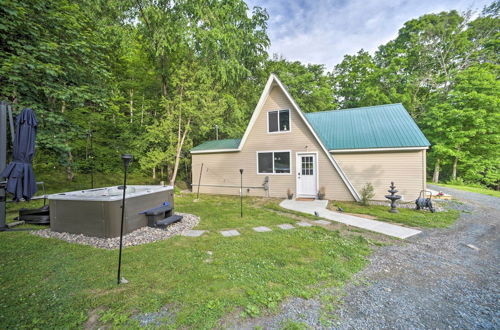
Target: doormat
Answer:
pixel 304 199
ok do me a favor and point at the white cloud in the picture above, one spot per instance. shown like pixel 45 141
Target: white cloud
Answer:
pixel 323 31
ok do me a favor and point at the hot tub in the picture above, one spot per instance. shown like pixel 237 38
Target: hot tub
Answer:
pixel 97 212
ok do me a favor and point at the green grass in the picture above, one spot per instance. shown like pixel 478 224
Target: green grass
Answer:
pixel 474 189
pixel 410 217
pixel 48 283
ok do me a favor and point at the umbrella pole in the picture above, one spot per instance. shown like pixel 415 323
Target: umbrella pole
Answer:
pixel 3 160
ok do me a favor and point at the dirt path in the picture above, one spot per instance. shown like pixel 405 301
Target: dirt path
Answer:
pixel 433 280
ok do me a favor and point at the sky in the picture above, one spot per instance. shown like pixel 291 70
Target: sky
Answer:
pixel 323 31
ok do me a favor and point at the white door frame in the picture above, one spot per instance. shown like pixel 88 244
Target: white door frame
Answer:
pixel 298 170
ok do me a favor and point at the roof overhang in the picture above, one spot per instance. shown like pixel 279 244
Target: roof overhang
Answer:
pixel 342 151
pixel 213 151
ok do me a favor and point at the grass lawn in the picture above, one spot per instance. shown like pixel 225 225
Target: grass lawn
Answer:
pixel 479 190
pixel 410 217
pixel 47 283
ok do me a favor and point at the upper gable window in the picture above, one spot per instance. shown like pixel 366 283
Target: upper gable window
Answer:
pixel 278 121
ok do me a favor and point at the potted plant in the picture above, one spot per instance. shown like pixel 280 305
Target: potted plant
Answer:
pixel 321 193
pixel 289 193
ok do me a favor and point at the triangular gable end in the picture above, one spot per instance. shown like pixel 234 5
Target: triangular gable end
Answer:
pixel 273 80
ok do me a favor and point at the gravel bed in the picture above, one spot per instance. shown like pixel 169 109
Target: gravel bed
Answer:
pixel 140 236
pixel 439 279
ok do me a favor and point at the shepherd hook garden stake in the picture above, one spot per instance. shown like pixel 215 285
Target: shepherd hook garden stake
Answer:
pixel 126 160
pixel 241 193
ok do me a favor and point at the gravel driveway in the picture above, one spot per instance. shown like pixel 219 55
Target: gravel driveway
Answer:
pixel 433 280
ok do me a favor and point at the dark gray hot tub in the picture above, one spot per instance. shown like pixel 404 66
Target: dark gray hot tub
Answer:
pixel 97 212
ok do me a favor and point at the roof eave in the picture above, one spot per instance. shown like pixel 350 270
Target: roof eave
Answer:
pixel 339 151
pixel 213 151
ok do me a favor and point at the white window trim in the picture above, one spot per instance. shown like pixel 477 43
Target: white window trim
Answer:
pixel 273 151
pixel 289 121
pixel 297 157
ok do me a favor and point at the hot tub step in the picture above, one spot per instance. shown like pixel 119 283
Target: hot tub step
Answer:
pixel 169 220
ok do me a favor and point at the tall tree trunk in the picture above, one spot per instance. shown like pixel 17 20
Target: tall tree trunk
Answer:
pixel 180 143
pixel 161 171
pixel 154 172
pixel 435 175
pixel 142 110
pixel 454 169
pixel 63 106
pixel 69 169
pixel 131 105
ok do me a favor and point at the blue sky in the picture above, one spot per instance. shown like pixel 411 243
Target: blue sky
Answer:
pixel 323 31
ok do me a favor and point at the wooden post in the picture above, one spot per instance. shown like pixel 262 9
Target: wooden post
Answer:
pixel 199 181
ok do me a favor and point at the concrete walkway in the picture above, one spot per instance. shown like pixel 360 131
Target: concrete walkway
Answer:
pixel 318 208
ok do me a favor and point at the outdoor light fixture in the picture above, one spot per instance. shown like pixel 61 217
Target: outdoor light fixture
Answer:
pixel 241 193
pixel 126 160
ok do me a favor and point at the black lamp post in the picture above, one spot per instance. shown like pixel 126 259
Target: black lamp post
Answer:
pixel 241 192
pixel 126 160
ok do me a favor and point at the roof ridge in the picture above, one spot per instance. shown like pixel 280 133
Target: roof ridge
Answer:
pixel 350 109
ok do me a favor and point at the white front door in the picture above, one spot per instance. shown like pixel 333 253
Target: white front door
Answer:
pixel 306 175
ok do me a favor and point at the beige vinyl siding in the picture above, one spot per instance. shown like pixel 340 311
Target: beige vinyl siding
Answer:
pixel 405 168
pixel 223 168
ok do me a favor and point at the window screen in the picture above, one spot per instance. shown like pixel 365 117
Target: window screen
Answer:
pixel 273 121
pixel 279 121
pixel 282 162
pixel 274 162
pixel 284 120
pixel 265 162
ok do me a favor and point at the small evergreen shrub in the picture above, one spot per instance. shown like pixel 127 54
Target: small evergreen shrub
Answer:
pixel 367 193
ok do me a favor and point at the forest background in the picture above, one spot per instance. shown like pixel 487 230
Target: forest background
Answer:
pixel 155 77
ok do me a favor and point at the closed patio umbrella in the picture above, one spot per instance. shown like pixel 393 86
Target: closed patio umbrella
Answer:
pixel 19 173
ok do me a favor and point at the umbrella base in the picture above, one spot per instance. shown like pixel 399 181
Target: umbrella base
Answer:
pixel 38 216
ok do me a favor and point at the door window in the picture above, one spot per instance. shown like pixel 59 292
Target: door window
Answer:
pixel 307 165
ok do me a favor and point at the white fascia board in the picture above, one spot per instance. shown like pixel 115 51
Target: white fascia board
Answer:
pixel 339 151
pixel 258 108
pixel 343 176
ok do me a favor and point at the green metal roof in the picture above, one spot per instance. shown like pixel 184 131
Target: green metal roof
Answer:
pixel 218 144
pixel 382 126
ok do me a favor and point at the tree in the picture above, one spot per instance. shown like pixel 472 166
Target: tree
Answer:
pixel 466 127
pixel 356 81
pixel 308 84
pixel 196 50
pixel 53 60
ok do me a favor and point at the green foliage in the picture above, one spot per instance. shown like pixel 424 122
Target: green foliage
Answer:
pixel 293 325
pixel 153 78
pixel 367 193
pixel 308 84
pixel 460 185
pixel 466 126
pixel 356 82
